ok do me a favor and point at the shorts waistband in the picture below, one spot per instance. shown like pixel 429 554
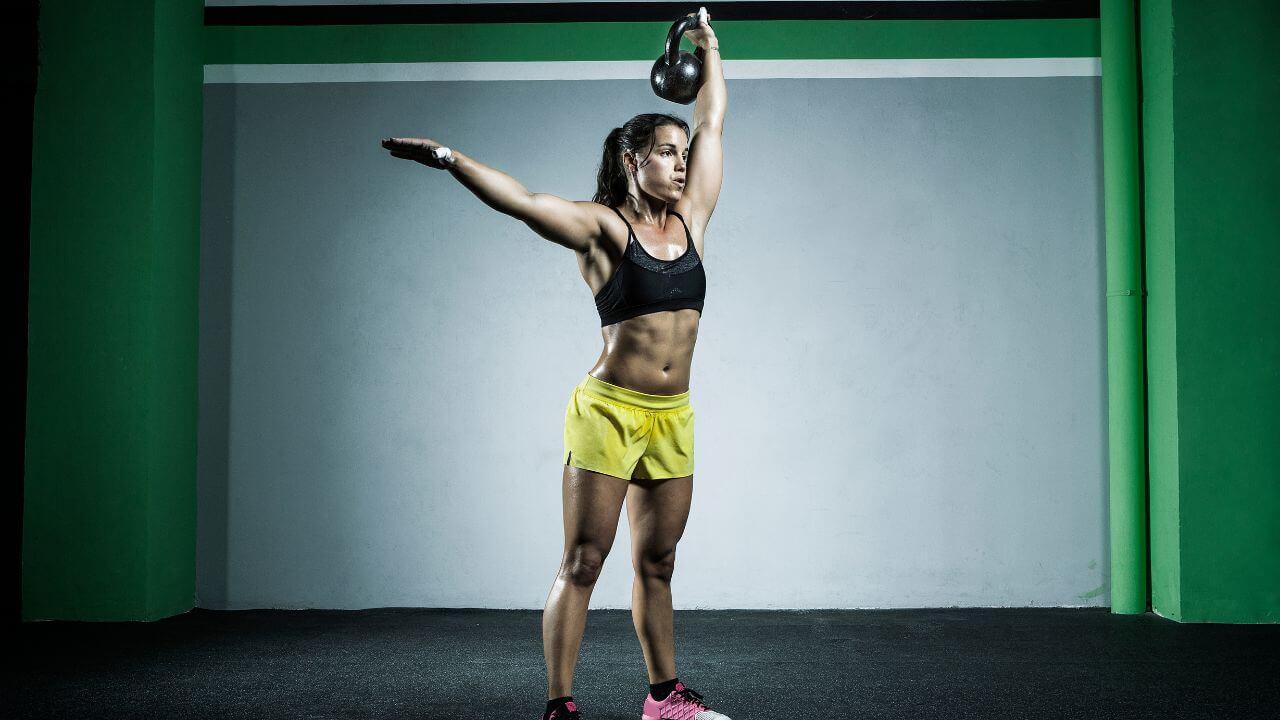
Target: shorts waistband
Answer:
pixel 609 392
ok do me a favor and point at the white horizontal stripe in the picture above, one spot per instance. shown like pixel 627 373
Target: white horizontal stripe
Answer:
pixel 633 69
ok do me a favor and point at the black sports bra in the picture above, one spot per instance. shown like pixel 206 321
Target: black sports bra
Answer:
pixel 643 284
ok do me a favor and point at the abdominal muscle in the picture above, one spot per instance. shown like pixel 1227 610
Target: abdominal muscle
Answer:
pixel 649 353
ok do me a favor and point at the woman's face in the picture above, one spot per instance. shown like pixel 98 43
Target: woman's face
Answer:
pixel 662 173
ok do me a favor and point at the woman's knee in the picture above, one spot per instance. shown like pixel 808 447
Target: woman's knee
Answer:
pixel 582 564
pixel 656 565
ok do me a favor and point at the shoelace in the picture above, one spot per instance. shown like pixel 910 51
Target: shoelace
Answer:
pixel 693 696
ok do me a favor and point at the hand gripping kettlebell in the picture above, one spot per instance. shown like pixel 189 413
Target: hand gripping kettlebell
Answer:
pixel 677 75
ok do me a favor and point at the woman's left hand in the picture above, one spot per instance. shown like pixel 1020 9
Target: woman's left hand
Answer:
pixel 702 35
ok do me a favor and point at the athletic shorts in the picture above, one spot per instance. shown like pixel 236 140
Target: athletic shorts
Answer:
pixel 627 433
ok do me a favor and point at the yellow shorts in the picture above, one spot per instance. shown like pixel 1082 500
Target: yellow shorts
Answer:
pixel 627 433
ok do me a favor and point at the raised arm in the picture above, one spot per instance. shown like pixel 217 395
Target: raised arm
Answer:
pixel 709 106
pixel 574 224
pixel 705 173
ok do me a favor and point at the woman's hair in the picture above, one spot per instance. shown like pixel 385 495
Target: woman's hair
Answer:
pixel 636 135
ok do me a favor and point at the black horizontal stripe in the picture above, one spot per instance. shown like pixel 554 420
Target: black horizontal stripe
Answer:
pixel 647 12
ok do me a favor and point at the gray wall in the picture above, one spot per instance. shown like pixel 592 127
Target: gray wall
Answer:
pixel 900 376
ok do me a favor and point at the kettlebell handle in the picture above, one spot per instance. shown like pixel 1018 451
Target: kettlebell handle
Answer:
pixel 677 31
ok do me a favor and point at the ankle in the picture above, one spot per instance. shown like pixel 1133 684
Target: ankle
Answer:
pixel 660 691
pixel 554 703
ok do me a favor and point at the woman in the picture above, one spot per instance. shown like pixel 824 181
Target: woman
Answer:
pixel 629 424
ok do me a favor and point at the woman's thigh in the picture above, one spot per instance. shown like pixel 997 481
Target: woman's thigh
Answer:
pixel 657 511
pixel 592 503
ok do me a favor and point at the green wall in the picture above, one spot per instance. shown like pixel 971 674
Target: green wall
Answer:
pixel 1212 95
pixel 109 516
pixel 754 39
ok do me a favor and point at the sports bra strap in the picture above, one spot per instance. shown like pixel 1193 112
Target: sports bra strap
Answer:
pixel 624 219
pixel 688 234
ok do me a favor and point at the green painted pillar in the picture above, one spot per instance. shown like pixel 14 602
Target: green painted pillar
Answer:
pixel 1211 95
pixel 1125 382
pixel 109 515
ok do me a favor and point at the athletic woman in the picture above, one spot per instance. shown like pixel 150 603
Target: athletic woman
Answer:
pixel 629 424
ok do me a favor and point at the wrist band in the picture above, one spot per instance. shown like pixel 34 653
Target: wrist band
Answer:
pixel 443 154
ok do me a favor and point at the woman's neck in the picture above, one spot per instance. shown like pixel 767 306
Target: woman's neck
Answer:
pixel 649 214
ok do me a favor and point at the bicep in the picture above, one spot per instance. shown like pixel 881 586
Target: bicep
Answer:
pixel 571 223
pixel 705 173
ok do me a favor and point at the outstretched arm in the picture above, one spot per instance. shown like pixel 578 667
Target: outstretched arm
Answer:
pixel 573 224
pixel 495 188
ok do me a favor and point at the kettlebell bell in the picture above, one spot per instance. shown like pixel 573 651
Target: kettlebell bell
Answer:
pixel 677 75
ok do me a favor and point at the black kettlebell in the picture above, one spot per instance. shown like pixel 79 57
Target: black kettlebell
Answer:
pixel 677 75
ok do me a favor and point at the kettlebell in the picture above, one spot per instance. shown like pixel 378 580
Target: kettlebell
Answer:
pixel 677 75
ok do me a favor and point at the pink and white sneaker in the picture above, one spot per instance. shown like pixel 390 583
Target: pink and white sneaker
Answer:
pixel 683 703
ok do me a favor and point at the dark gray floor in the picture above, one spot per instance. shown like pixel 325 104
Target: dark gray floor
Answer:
pixel 750 665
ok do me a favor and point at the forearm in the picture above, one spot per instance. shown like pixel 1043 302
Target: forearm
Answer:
pixel 709 106
pixel 495 188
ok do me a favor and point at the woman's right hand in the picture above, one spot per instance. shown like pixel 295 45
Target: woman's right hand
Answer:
pixel 418 149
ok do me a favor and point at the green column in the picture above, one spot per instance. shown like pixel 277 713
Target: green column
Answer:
pixel 109 515
pixel 1125 386
pixel 1210 99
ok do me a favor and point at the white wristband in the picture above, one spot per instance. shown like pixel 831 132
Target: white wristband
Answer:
pixel 443 153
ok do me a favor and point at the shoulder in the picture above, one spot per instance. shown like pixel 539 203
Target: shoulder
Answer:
pixel 613 229
pixel 575 224
pixel 611 219
pixel 603 217
pixel 602 214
